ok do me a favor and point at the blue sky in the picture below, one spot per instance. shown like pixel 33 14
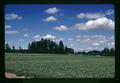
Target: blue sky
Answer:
pixel 80 26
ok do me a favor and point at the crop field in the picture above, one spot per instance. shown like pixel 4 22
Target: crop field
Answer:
pixel 59 66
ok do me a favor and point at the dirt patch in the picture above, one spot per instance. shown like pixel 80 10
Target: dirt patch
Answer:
pixel 12 75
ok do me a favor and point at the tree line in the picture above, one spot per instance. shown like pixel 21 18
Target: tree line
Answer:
pixel 49 46
pixel 42 46
pixel 104 52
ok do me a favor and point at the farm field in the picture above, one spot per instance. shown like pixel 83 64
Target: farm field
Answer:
pixel 59 66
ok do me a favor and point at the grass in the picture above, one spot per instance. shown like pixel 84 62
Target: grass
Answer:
pixel 59 66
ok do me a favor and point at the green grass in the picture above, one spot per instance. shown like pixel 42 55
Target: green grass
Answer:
pixel 59 66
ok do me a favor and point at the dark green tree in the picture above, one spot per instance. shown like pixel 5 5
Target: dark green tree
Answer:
pixel 61 47
pixel 7 48
pixel 13 49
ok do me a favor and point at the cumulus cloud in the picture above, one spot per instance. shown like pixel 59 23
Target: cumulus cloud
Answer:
pixel 87 49
pixel 61 28
pixel 50 19
pixel 6 42
pixel 90 15
pixel 96 44
pixel 48 36
pixel 95 15
pixel 111 44
pixel 52 10
pixel 93 40
pixel 11 32
pixel 25 35
pixel 37 37
pixel 12 16
pixel 8 26
pixel 98 23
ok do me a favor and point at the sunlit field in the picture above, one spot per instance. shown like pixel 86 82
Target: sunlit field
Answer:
pixel 59 65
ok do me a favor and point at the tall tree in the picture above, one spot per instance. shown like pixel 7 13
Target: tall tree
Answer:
pixel 29 47
pixel 105 52
pixel 112 52
pixel 20 49
pixel 61 47
pixel 7 48
pixel 13 48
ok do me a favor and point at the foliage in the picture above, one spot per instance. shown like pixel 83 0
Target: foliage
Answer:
pixel 104 52
pixel 43 46
pixel 49 46
pixel 60 65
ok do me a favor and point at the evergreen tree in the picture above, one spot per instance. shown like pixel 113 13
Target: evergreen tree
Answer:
pixel 112 52
pixel 61 47
pixel 7 48
pixel 105 52
pixel 48 46
pixel 20 49
pixel 29 47
pixel 13 48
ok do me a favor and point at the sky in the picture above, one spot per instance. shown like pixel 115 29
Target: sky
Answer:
pixel 82 27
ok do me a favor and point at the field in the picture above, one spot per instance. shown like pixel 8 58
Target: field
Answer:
pixel 59 66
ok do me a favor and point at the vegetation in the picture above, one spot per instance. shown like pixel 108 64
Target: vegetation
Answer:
pixel 59 65
pixel 42 46
pixel 48 46
pixel 47 59
pixel 104 52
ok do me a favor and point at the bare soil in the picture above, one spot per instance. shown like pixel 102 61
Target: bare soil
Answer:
pixel 12 75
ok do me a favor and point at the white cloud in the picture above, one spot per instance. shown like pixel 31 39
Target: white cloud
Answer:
pixel 21 40
pixel 90 15
pixel 95 15
pixel 98 23
pixel 52 10
pixel 89 48
pixel 86 49
pixel 109 12
pixel 80 49
pixel 111 44
pixel 95 44
pixel 37 37
pixel 7 42
pixel 71 45
pixel 50 19
pixel 25 35
pixel 48 36
pixel 12 16
pixel 102 41
pixel 94 40
pixel 112 37
pixel 8 26
pixel 61 28
pixel 11 32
